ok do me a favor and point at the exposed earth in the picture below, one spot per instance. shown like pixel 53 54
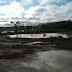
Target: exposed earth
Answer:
pixel 14 52
pixel 19 48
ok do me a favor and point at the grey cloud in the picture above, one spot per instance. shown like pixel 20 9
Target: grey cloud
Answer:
pixel 34 18
pixel 41 9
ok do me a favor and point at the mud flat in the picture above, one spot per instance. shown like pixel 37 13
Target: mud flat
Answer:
pixel 19 48
pixel 21 55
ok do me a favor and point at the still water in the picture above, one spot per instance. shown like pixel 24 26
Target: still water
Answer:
pixel 47 61
pixel 46 35
pixel 51 61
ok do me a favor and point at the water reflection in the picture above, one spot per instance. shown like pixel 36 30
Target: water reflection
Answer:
pixel 48 61
pixel 52 61
pixel 47 35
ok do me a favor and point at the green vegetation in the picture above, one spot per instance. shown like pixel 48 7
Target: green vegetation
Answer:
pixel 57 26
pixel 41 28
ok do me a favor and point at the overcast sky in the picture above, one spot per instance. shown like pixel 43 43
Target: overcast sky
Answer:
pixel 35 11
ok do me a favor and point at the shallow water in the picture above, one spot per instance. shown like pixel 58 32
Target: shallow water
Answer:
pixel 48 61
pixel 47 35
pixel 52 61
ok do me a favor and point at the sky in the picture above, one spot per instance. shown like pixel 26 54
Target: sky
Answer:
pixel 33 12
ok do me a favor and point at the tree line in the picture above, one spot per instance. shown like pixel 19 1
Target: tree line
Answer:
pixel 42 28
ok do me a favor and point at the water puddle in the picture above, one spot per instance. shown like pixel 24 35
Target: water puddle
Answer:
pixel 47 35
pixel 46 61
pixel 33 43
pixel 51 61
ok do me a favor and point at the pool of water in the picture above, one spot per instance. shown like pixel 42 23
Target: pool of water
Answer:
pixel 51 61
pixel 47 61
pixel 47 35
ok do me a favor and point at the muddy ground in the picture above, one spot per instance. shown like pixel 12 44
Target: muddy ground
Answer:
pixel 20 48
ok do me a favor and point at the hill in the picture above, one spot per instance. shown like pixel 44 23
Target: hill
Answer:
pixel 47 27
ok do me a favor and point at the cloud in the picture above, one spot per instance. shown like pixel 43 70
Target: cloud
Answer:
pixel 2 1
pixel 6 1
pixel 12 10
pixel 43 2
pixel 66 8
pixel 49 13
pixel 36 10
pixel 39 13
pixel 26 2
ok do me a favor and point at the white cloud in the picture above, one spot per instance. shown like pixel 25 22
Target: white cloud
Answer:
pixel 66 8
pixel 38 14
pixel 12 10
pixel 49 13
pixel 2 1
pixel 26 2
pixel 43 2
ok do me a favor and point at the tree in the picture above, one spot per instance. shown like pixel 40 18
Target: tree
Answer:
pixel 16 27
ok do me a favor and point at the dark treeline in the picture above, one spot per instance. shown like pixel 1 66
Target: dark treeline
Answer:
pixel 48 27
pixel 51 27
pixel 57 26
